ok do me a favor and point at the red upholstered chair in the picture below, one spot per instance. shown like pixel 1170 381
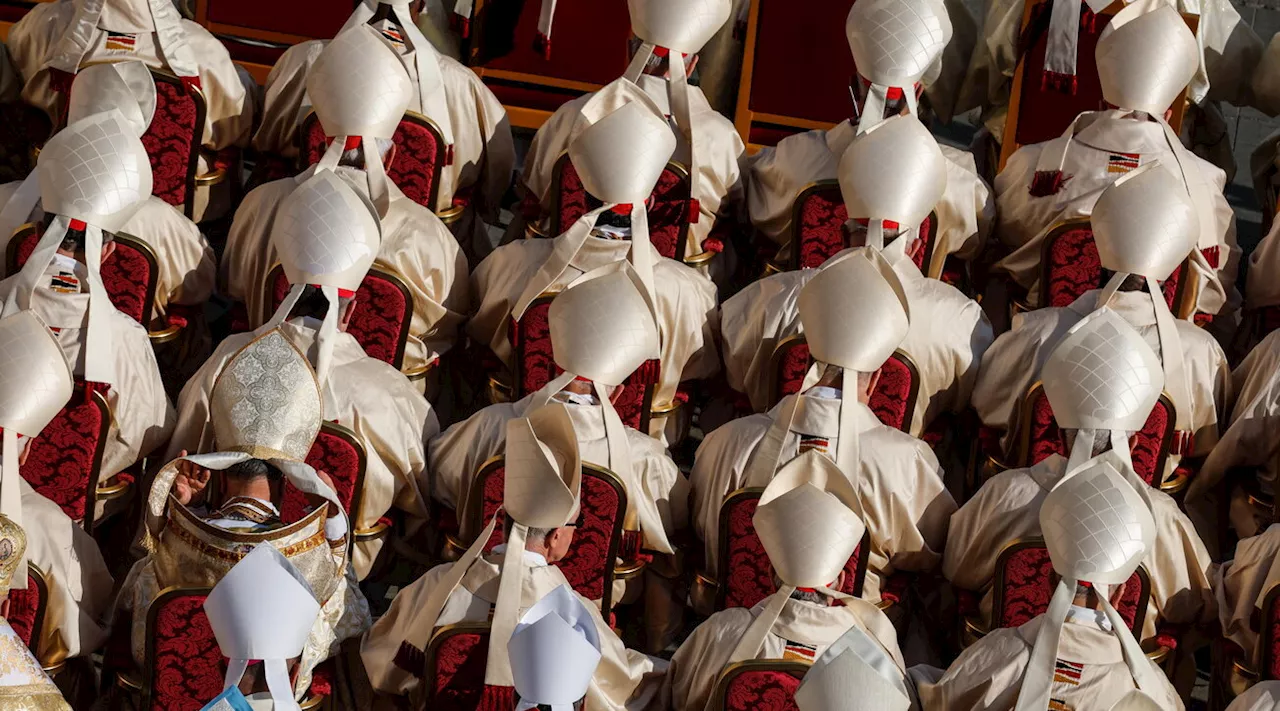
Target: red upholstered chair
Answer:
pixel 1040 108
pixel 454 667
pixel 23 128
pixel 818 216
pixel 419 158
pixel 588 50
pixel 1041 436
pixel 1070 266
pixel 383 315
pixel 530 339
pixel 173 141
pixel 256 34
pixel 774 101
pixel 27 608
pixel 745 576
pixel 65 460
pixel 1022 587
pixel 758 685
pixel 598 542
pixel 339 453
pixel 893 400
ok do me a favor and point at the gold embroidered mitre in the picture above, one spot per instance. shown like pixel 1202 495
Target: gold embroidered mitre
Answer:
pixel 266 402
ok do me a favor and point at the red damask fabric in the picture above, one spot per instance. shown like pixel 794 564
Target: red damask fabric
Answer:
pixel 762 691
pixel 314 142
pixel 61 459
pixel 25 607
pixel 381 319
pixel 126 275
pixel 668 211
pixel 1026 585
pixel 1072 267
pixel 820 230
pixel 168 141
pixel 891 400
pixel 1145 446
pixel 334 456
pixel 188 667
pixel 415 168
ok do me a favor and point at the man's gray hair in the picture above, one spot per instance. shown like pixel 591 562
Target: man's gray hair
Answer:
pixel 354 158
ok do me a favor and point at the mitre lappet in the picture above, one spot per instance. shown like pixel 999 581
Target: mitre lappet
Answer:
pixel 23 682
pixel 1098 529
pixel 855 315
pixel 432 101
pixel 263 609
pixel 35 386
pixel 846 678
pixel 554 652
pixel 126 86
pixel 360 91
pixel 543 480
pixel 129 16
pixel 895 43
pixel 898 198
pixel 94 175
pixel 326 235
pixel 621 144
pixel 1102 380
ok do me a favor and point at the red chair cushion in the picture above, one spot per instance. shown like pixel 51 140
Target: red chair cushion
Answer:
pixel 668 209
pixel 414 168
pixel 188 667
pixel 1045 110
pixel 821 227
pixel 1074 268
pixel 25 607
pixel 168 142
pixel 61 459
pixel 1025 582
pixel 1047 438
pixel 336 457
pixel 381 319
pixel 22 127
pixel 762 691
pixel 891 400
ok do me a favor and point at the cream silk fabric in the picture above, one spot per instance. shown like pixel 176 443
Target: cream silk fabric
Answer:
pixel 1242 585
pixel 1014 361
pixel 364 395
pixel 415 244
pixel 899 486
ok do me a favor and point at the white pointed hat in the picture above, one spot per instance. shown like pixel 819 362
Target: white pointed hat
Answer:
pixel 35 385
pixel 263 609
pixel 894 43
pixel 159 17
pixel 1146 56
pixel 678 25
pixel 843 680
pixel 893 172
pixel 554 652
pixel 125 86
pixel 854 311
pixel 1145 223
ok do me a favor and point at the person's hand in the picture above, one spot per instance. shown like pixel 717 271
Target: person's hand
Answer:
pixel 317 501
pixel 191 480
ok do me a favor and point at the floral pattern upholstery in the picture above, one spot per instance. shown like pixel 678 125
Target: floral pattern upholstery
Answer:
pixel 415 169
pixel 63 459
pixel 761 690
pixel 669 207
pixel 187 668
pixel 127 275
pixel 22 127
pixel 819 230
pixel 335 456
pixel 892 400
pixel 381 320
pixel 26 611
pixel 1024 588
pixel 1072 267
pixel 1146 447
pixel 457 671
pixel 176 127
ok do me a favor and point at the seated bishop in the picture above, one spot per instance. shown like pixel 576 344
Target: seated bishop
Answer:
pixel 55 41
pixel 261 613
pixel 808 525
pixel 185 261
pixel 37 384
pixel 1080 653
pixel 542 505
pixel 619 144
pixel 360 91
pixel 325 217
pixel 1144 225
pixel 94 177
pixel 1102 381
pixel 897 53
pixel 1145 58
pixel 664 53
pixel 555 651
pixel 24 685
pixel 896 478
pixel 479 153
pixel 205 511
pixel 948 332
pixel 602 330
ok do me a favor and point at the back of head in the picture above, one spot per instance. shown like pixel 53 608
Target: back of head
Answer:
pixel 1146 56
pixel 252 470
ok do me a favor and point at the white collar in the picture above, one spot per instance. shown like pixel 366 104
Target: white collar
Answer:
pixel 535 560
pixel 1085 616
pixel 825 393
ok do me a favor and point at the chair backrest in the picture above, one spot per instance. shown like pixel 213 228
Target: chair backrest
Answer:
pixel 589 565
pixel 130 275
pixel 1040 109
pixel 27 608
pixel 173 140
pixel 1070 266
pixel 455 666
pixel 893 401
pixel 1269 636
pixel 22 128
pixel 419 158
pixel 339 453
pixel 758 685
pixel 818 216
pixel 530 339
pixel 793 78
pixel 745 573
pixel 184 666
pixel 1022 587
pixel 1149 447
pixel 382 317
pixel 66 459
pixel 588 50
pixel 669 211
